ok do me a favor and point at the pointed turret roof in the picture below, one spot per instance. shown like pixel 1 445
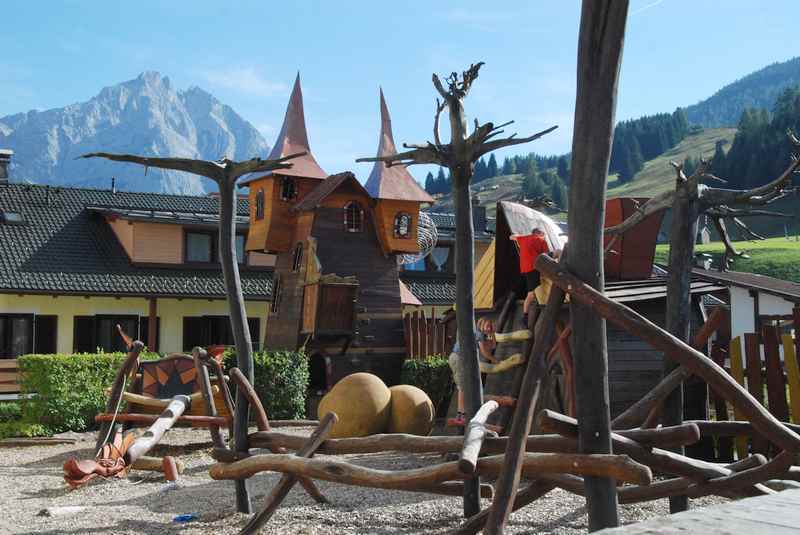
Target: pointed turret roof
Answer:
pixel 293 138
pixel 392 182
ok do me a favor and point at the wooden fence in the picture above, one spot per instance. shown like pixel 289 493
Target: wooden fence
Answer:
pixel 765 363
pixel 427 336
pixel 9 376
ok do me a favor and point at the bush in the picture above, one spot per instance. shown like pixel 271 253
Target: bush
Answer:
pixel 22 429
pixel 281 381
pixel 68 388
pixel 10 411
pixel 431 374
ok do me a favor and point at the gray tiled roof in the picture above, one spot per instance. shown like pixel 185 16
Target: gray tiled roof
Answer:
pixel 446 226
pixel 65 248
pixel 431 288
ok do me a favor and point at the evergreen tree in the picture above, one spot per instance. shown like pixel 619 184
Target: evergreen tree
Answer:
pixel 442 185
pixel 563 169
pixel 509 166
pixel 430 185
pixel 480 172
pixel 491 167
pixel 558 193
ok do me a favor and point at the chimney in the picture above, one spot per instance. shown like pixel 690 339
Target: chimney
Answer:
pixel 478 215
pixel 5 161
pixel 113 185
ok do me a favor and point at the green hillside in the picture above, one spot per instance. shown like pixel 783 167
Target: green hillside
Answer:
pixel 658 175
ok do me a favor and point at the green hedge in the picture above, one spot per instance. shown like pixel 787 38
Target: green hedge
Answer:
pixel 281 381
pixel 68 388
pixel 10 411
pixel 431 374
pixel 22 429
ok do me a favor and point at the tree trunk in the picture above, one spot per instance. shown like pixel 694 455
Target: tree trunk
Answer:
pixel 241 331
pixel 683 233
pixel 465 317
pixel 602 34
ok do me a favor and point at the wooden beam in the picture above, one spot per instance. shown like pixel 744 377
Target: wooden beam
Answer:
pixel 473 438
pixel 152 324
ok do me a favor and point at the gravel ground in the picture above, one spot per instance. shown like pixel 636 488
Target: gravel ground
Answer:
pixel 31 480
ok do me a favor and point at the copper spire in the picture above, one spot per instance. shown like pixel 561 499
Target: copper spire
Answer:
pixel 293 138
pixel 392 182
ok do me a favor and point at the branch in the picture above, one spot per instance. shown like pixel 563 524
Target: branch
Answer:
pixel 656 204
pixel 440 106
pixel 725 211
pixel 730 250
pixel 257 165
pixel 490 146
pixel 439 87
pixel 744 228
pixel 212 170
pixel 420 154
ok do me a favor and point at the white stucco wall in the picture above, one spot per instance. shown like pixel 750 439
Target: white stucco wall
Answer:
pixel 742 312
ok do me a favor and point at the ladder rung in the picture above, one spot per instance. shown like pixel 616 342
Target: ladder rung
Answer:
pixel 503 401
pixel 452 422
pixel 513 336
pixel 504 365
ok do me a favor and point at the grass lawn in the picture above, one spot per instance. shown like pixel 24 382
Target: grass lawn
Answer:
pixel 775 257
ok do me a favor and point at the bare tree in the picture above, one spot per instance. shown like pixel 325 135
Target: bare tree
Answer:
pixel 225 173
pixel 691 199
pixel 460 155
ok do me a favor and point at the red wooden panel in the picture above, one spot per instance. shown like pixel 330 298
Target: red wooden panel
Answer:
pixel 776 383
pixel 636 248
pixel 755 383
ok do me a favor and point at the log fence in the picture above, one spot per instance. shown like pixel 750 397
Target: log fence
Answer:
pixel 426 336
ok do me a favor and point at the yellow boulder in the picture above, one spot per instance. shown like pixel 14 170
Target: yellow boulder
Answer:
pixel 362 402
pixel 412 411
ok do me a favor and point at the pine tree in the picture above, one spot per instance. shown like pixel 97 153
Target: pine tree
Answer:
pixel 563 169
pixel 480 172
pixel 509 167
pixel 491 167
pixel 430 185
pixel 558 194
pixel 442 185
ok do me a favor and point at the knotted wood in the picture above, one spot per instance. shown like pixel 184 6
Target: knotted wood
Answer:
pixel 473 438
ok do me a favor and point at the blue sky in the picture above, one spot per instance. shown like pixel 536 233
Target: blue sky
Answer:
pixel 246 53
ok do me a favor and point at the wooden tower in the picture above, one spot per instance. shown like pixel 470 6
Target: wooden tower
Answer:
pixel 336 286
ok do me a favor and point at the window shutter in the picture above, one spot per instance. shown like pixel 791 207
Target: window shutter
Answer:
pixel 83 340
pixel 45 334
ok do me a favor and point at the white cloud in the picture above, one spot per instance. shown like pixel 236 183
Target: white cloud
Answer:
pixel 245 80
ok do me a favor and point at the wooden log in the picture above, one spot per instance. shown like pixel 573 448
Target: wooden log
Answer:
pixel 293 423
pixel 772 469
pixel 156 464
pixel 502 319
pixel 755 382
pixel 535 490
pixel 473 438
pixel 504 365
pixel 514 336
pixel 222 383
pixel 792 373
pixel 244 386
pixel 776 385
pixel 507 484
pixel 163 423
pixel 456 488
pixel 287 481
pixel 170 468
pixel 503 401
pixel 695 361
pixel 155 403
pixel 638 412
pixel 152 418
pixel 724 444
pixel 22 442
pixel 664 437
pixel 732 428
pixel 129 367
pixel 619 467
pixel 204 382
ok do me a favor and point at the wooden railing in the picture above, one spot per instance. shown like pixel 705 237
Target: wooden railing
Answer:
pixel 427 336
pixel 9 376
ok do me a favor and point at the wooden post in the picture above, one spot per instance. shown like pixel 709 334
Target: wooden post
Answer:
pixel 755 382
pixel 724 444
pixel 152 324
pixel 600 43
pixel 776 385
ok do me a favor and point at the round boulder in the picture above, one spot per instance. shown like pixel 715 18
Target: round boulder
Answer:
pixel 412 411
pixel 362 402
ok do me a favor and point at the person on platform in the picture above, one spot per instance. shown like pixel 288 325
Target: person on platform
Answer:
pixel 484 336
pixel 530 247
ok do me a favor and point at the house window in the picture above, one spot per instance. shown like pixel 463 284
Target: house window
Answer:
pixel 205 331
pixel 240 238
pixel 199 246
pixel 260 204
pixel 277 288
pixel 353 217
pixel 16 335
pixel 91 333
pixel 288 189
pixel 402 225
pixel 297 257
pixel 11 218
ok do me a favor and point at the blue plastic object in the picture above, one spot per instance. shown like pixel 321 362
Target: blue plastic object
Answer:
pixel 185 518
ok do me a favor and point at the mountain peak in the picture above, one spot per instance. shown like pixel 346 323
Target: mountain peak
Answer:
pixel 145 116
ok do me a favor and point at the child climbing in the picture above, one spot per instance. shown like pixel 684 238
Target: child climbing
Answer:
pixel 484 336
pixel 530 247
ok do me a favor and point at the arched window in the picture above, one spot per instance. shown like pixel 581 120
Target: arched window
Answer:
pixel 288 188
pixel 297 257
pixel 402 225
pixel 353 217
pixel 260 204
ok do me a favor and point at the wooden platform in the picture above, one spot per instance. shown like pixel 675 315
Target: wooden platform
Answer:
pixel 777 514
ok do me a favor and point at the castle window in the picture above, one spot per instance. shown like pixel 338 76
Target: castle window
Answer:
pixel 288 189
pixel 260 204
pixel 353 217
pixel 402 225
pixel 276 295
pixel 297 257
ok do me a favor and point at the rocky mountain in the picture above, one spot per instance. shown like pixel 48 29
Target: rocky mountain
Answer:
pixel 759 89
pixel 146 116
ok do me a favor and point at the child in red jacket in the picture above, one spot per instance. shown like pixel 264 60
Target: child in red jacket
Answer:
pixel 530 247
